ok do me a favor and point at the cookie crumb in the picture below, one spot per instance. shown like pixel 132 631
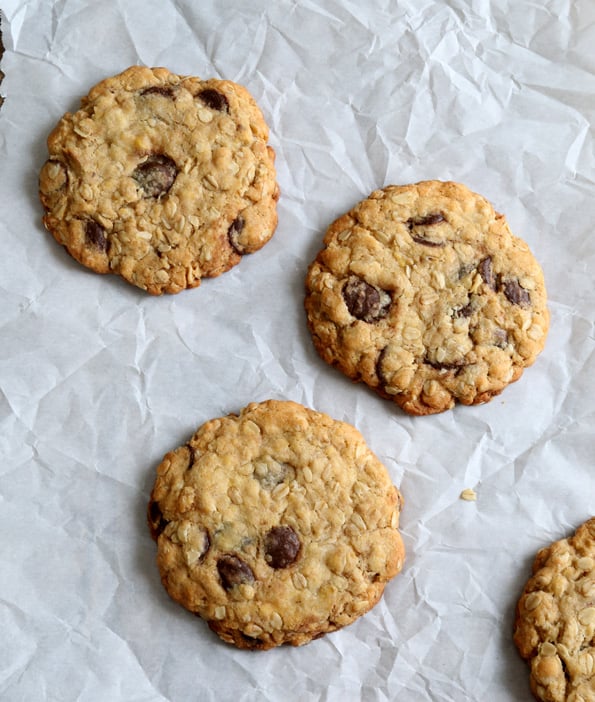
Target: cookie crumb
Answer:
pixel 469 495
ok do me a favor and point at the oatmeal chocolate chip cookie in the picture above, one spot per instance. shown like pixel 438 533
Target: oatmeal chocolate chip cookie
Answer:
pixel 555 619
pixel 422 292
pixel 162 179
pixel 276 526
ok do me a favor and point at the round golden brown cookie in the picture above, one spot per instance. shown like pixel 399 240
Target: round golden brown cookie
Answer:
pixel 162 179
pixel 422 292
pixel 555 619
pixel 276 526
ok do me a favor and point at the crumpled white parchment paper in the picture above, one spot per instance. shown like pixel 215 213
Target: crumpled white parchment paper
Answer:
pixel 98 380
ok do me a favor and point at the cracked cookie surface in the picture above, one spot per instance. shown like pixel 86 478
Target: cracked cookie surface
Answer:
pixel 555 619
pixel 276 526
pixel 422 292
pixel 161 179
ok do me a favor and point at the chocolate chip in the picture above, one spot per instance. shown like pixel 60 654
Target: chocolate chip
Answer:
pixel 214 99
pixel 233 234
pixel 191 456
pixel 515 293
pixel 95 235
pixel 428 221
pixel 465 311
pixel 465 269
pixel 159 90
pixel 234 571
pixel 281 546
pixel 206 545
pixel 156 175
pixel 379 370
pixel 487 272
pixel 273 473
pixel 364 301
pixel 157 521
pixel 500 338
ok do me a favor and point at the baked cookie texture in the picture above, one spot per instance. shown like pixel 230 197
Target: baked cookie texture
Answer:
pixel 275 526
pixel 555 619
pixel 160 178
pixel 423 293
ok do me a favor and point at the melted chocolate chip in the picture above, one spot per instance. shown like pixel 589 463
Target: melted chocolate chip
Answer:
pixel 272 474
pixel 281 546
pixel 487 272
pixel 465 311
pixel 466 269
pixel 157 521
pixel 364 301
pixel 191 456
pixel 214 99
pixel 379 371
pixel 500 338
pixel 206 545
pixel 234 571
pixel 428 221
pixel 233 234
pixel 95 235
pixel 159 90
pixel 515 293
pixel 156 175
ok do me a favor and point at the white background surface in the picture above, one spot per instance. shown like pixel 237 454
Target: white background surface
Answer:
pixel 98 380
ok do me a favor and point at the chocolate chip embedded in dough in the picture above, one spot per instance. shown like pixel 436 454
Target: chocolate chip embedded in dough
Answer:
pixel 234 571
pixel 205 546
pixel 95 235
pixel 214 99
pixel 500 338
pixel 156 175
pixel 365 301
pixel 486 271
pixel 515 293
pixel 465 311
pixel 164 91
pixel 282 546
pixel 383 380
pixel 233 234
pixel 427 221
pixel 454 365
pixel 157 521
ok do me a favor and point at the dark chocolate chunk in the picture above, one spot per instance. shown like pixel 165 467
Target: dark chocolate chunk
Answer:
pixel 205 546
pixel 500 338
pixel 156 175
pixel 486 271
pixel 281 546
pixel 234 571
pixel 454 365
pixel 273 474
pixel 465 311
pixel 427 221
pixel 95 235
pixel 364 301
pixel 465 269
pixel 157 521
pixel 233 234
pixel 379 370
pixel 214 99
pixel 162 90
pixel 515 293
